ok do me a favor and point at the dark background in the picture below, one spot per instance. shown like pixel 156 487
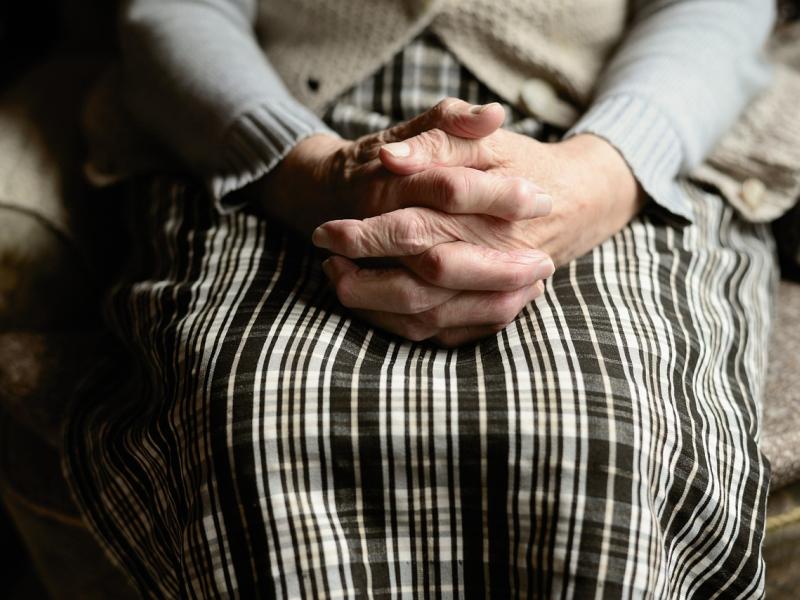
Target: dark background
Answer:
pixel 20 41
pixel 29 31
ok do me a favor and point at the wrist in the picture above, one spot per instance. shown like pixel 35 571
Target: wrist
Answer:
pixel 308 161
pixel 609 175
pixel 598 196
pixel 295 191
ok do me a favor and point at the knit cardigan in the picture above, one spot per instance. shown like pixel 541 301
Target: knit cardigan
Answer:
pixel 230 86
pixel 563 42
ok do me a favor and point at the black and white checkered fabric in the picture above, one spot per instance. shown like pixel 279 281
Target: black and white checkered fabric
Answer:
pixel 266 445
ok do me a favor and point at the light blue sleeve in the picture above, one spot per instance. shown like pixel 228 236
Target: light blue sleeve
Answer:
pixel 196 79
pixel 679 80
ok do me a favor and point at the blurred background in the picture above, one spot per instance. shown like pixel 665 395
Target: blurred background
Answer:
pixel 31 33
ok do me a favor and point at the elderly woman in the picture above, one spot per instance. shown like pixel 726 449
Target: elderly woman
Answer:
pixel 526 355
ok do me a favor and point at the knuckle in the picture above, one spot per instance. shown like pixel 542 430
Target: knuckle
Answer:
pixel 506 307
pixel 435 141
pixel 414 299
pixel 345 291
pixel 452 189
pixel 366 148
pixel 433 265
pixel 443 107
pixel 347 239
pixel 410 232
pixel 517 192
pixel 511 272
pixel 517 277
pixel 384 135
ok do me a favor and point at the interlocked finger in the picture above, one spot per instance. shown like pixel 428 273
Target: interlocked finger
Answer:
pixel 465 266
pixel 393 290
pixel 411 231
pixel 451 115
pixel 487 311
pixel 481 308
pixel 454 116
pixel 461 190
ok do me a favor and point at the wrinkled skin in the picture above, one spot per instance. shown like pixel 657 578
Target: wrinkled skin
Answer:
pixel 472 216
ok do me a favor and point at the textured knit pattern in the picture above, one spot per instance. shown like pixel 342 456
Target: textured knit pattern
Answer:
pixel 773 122
pixel 602 446
pixel 196 77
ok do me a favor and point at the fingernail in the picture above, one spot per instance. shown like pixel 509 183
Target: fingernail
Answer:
pixel 327 268
pixel 480 108
pixel 544 204
pixel 544 269
pixel 398 149
pixel 320 238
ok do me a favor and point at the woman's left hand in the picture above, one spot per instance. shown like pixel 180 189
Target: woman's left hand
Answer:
pixel 594 196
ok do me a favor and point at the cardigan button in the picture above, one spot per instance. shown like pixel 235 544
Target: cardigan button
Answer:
pixel 752 192
pixel 313 84
pixel 540 99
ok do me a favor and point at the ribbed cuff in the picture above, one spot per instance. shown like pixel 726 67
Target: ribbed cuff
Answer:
pixel 256 142
pixel 648 143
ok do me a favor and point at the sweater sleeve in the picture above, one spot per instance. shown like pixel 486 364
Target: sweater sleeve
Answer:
pixel 680 78
pixel 196 79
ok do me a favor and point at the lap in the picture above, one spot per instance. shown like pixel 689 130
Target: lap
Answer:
pixel 616 417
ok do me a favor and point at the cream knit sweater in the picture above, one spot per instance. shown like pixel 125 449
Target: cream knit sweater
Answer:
pixel 230 86
pixel 563 42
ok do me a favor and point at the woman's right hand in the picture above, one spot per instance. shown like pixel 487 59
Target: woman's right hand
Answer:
pixel 325 178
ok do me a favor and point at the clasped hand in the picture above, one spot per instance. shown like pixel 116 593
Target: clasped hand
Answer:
pixel 472 216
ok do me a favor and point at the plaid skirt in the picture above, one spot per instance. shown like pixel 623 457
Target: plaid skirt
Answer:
pixel 264 444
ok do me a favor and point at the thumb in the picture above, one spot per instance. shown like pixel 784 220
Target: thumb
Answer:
pixel 434 148
pixel 454 117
